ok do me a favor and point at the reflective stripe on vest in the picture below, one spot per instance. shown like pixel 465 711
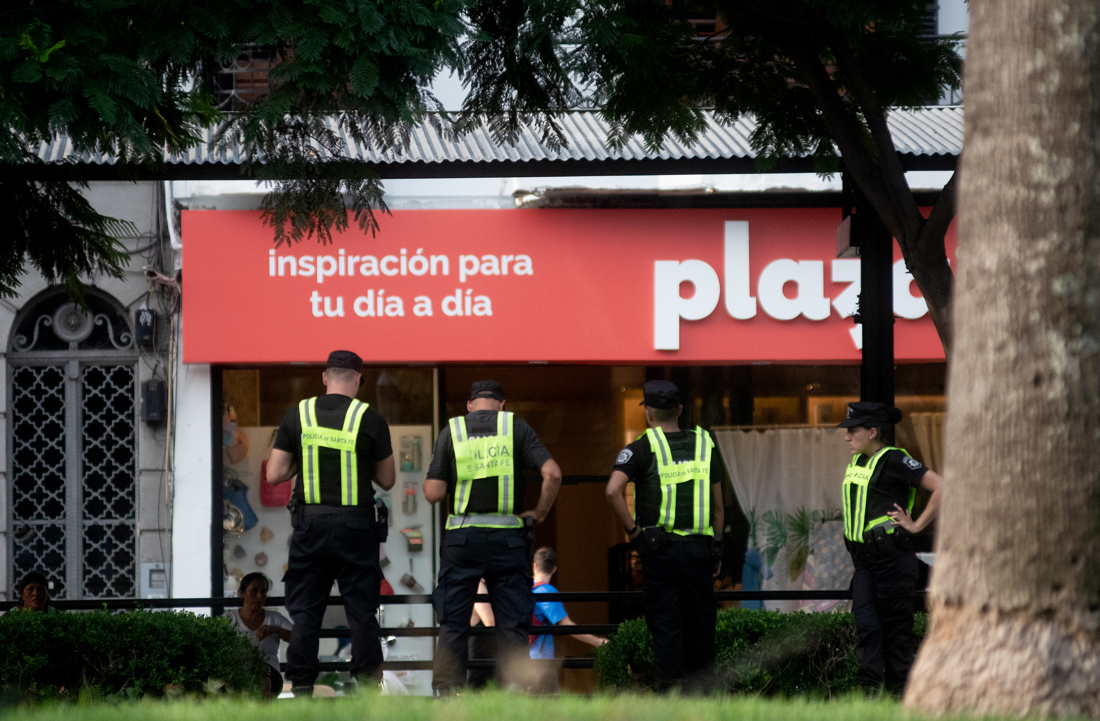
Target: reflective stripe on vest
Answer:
pixel 484 457
pixel 483 520
pixel 854 496
pixel 671 473
pixel 315 437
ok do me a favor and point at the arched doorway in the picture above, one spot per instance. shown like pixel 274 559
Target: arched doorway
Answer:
pixel 72 455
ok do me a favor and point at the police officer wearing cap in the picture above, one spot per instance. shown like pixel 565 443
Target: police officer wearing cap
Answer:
pixel 678 532
pixel 337 445
pixel 478 462
pixel 879 489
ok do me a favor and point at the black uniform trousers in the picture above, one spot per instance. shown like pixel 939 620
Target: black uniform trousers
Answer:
pixel 883 589
pixel 481 648
pixel 323 549
pixel 680 611
pixel 500 557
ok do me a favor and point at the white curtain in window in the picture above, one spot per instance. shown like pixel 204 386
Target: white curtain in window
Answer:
pixel 786 480
pixel 928 433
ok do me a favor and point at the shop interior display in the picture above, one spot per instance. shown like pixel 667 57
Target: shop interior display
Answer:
pixel 411 551
pixel 257 537
pixel 236 493
pixel 828 565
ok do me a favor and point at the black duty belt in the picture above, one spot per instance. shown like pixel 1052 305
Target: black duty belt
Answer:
pixel 318 509
pixel 694 538
pixel 884 533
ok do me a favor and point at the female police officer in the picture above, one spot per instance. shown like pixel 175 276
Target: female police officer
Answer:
pixel 878 492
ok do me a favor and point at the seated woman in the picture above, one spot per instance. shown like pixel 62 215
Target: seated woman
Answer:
pixel 34 590
pixel 262 626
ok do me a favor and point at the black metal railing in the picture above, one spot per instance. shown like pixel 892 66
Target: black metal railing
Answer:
pixel 218 604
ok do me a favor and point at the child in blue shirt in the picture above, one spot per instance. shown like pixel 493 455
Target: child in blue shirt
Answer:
pixel 550 613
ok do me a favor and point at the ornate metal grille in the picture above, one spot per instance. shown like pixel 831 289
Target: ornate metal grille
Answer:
pixel 73 460
pixel 110 502
pixel 38 473
pixel 59 324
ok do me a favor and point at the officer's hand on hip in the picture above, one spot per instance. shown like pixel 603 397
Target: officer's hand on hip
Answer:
pixel 902 518
pixel 533 514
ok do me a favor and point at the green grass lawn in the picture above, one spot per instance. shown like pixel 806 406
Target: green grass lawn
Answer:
pixel 474 707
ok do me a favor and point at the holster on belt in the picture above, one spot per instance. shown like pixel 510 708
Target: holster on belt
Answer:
pixel 880 541
pixel 529 539
pixel 297 512
pixel 381 520
pixel 653 539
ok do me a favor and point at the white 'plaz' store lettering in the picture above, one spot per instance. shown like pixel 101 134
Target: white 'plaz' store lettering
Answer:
pixel 808 276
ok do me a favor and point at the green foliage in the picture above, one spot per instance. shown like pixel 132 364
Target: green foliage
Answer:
pixel 643 65
pixel 799 525
pixel 27 42
pixel 135 78
pixel 111 75
pixel 52 224
pixel 124 656
pixel 528 84
pixel 787 654
pixel 758 652
pixel 775 534
pixel 814 78
pixel 353 71
pixel 626 660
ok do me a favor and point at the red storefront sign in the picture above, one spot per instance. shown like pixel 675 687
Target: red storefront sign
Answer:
pixel 572 286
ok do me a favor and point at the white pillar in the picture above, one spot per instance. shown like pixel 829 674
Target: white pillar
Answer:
pixel 191 507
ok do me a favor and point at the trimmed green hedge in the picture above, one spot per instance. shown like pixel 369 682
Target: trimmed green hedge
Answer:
pixel 758 652
pixel 124 655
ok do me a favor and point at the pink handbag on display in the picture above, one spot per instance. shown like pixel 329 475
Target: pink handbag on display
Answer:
pixel 273 495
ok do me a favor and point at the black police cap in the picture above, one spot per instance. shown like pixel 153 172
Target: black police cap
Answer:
pixel 869 413
pixel 345 359
pixel 487 389
pixel 662 395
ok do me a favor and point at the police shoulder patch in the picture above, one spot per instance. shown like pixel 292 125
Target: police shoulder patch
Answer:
pixel 625 456
pixel 912 463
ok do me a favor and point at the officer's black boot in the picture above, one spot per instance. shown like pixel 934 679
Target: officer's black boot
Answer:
pixel 364 682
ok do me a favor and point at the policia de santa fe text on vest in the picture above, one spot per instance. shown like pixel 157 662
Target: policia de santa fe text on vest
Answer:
pixel 338 446
pixel 479 460
pixel 877 497
pixel 678 499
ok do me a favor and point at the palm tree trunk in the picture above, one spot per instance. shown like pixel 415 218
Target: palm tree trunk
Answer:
pixel 1016 587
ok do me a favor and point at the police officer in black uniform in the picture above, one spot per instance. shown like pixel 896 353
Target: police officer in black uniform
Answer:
pixel 678 531
pixel 879 489
pixel 478 462
pixel 337 445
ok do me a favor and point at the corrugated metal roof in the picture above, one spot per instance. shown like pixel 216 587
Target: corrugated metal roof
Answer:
pixel 929 131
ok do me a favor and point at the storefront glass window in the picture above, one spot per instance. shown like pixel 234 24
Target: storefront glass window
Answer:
pixel 261 396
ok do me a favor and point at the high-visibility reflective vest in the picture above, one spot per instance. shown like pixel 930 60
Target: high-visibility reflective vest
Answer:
pixel 315 437
pixel 672 474
pixel 484 457
pixel 854 495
